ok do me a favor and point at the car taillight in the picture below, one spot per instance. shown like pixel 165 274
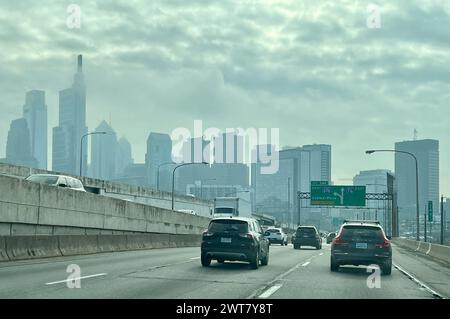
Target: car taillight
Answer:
pixel 248 235
pixel 338 241
pixel 207 234
pixel 386 243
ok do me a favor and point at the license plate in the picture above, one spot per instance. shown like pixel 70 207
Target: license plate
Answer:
pixel 225 240
pixel 361 245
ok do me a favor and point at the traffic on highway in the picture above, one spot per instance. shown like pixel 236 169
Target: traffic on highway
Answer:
pixel 232 158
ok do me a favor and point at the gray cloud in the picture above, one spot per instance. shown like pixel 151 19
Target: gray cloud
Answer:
pixel 313 70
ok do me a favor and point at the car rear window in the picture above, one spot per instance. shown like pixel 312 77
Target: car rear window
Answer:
pixel 77 183
pixel 306 231
pixel 274 231
pixel 361 232
pixel 50 180
pixel 228 226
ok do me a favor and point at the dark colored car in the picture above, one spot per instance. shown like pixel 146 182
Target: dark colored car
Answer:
pixel 306 236
pixel 330 237
pixel 361 243
pixel 235 239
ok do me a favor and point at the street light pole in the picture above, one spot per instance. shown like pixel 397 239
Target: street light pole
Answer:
pixel 417 184
pixel 173 177
pixel 157 174
pixel 81 148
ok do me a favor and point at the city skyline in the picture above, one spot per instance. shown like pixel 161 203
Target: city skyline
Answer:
pixel 296 91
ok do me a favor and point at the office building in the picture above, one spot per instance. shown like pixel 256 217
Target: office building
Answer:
pixel 276 194
pixel 18 145
pixel 124 155
pixel 35 113
pixel 427 154
pixel 159 154
pixel 67 135
pixel 104 152
pixel 378 181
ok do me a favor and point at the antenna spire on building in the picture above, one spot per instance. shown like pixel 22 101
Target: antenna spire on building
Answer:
pixel 415 135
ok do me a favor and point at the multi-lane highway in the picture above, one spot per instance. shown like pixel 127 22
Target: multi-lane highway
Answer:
pixel 177 273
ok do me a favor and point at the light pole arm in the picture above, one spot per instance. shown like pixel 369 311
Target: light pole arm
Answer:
pixel 173 178
pixel 81 148
pixel 81 153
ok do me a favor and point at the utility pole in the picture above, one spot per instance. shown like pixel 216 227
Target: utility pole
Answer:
pixel 442 219
pixel 425 224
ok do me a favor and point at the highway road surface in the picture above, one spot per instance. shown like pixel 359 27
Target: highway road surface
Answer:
pixel 177 273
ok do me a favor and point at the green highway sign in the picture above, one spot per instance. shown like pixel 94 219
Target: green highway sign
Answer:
pixel 430 211
pixel 338 195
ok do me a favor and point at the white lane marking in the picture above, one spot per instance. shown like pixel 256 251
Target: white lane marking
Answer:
pixel 305 264
pixel 417 281
pixel 269 292
pixel 320 254
pixel 193 258
pixel 429 248
pixel 79 278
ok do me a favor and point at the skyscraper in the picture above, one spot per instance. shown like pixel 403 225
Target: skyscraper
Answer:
pixel 72 126
pixel 124 156
pixel 159 151
pixel 427 153
pixel 18 145
pixel 104 152
pixel 35 113
pixel 320 161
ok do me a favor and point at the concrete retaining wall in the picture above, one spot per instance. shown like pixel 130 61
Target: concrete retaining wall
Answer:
pixel 33 209
pixel 31 247
pixel 143 195
pixel 439 252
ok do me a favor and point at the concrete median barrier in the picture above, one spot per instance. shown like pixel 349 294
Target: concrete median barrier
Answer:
pixel 3 254
pixel 108 243
pixel 185 240
pixel 439 252
pixel 30 247
pixel 78 245
pixel 43 246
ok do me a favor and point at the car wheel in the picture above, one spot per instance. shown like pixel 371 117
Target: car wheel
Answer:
pixel 220 261
pixel 265 260
pixel 206 261
pixel 386 268
pixel 333 266
pixel 254 263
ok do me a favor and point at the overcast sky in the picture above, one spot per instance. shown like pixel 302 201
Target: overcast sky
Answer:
pixel 313 69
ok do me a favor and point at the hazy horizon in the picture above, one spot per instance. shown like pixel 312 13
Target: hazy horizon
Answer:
pixel 315 71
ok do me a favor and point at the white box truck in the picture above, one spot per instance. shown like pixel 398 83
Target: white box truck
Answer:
pixel 226 206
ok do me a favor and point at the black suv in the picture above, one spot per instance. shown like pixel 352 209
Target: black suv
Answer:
pixel 235 239
pixel 361 243
pixel 306 236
